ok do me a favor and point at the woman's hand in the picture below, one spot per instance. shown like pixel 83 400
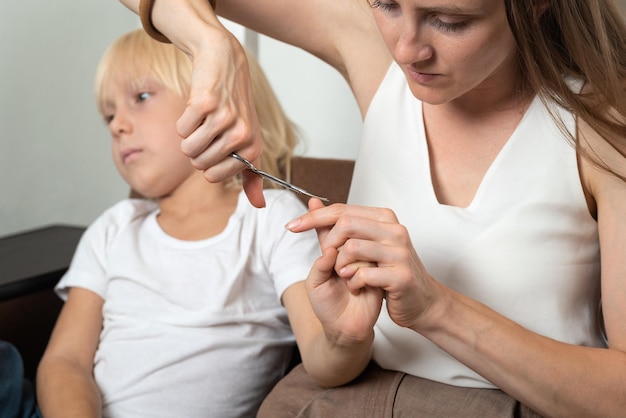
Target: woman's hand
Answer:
pixel 372 256
pixel 220 117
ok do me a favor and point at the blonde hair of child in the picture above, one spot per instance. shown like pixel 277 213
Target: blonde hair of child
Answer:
pixel 138 55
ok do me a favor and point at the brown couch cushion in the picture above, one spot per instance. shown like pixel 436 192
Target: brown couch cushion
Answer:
pixel 325 177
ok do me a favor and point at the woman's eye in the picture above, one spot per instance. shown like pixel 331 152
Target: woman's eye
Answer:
pixel 377 4
pixel 447 24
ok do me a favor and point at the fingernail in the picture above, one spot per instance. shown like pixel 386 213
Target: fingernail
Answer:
pixel 293 224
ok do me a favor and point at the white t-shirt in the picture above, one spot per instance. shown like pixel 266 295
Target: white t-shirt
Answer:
pixel 526 246
pixel 191 328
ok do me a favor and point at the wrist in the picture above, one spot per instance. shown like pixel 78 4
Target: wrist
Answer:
pixel 340 342
pixel 437 314
pixel 146 17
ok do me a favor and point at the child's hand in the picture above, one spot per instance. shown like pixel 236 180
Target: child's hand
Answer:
pixel 347 314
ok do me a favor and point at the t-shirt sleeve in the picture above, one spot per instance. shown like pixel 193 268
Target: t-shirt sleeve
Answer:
pixel 289 255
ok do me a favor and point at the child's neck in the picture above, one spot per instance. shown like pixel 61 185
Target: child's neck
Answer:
pixel 197 213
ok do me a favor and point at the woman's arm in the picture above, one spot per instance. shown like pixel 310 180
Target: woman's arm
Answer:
pixel 551 377
pixel 65 384
pixel 341 33
pixel 220 117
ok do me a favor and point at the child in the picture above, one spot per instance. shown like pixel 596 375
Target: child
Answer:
pixel 173 302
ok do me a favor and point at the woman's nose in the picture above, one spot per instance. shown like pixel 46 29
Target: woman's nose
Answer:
pixel 412 45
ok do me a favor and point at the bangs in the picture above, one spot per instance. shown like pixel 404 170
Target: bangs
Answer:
pixel 136 56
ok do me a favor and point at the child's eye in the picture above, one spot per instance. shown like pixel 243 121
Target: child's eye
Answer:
pixel 378 4
pixel 108 118
pixel 143 96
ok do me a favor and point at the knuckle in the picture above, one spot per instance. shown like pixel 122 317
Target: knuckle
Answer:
pixel 245 130
pixel 242 134
pixel 337 209
pixel 351 247
pixel 195 163
pixel 204 103
pixel 188 149
pixel 344 222
pixel 227 116
pixel 387 214
pixel 400 233
pixel 208 174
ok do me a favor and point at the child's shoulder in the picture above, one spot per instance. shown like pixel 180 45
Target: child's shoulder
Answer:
pixel 127 210
pixel 113 222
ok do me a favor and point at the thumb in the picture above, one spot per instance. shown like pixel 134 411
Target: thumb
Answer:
pixel 253 187
pixel 322 269
pixel 315 204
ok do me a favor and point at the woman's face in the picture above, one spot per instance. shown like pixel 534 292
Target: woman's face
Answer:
pixel 449 48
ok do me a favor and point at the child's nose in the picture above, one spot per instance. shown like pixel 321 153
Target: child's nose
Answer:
pixel 120 124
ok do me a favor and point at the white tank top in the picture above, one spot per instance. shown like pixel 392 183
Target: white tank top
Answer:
pixel 526 246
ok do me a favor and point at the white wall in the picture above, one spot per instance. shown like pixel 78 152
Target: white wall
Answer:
pixel 316 97
pixel 55 164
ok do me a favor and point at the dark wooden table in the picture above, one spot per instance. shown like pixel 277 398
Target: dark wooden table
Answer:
pixel 35 260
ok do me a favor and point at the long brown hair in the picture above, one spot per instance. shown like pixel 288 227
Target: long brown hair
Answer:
pixel 583 39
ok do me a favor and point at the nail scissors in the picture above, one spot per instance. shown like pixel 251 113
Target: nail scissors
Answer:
pixel 274 179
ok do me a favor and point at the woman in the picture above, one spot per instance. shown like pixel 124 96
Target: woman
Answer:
pixel 488 258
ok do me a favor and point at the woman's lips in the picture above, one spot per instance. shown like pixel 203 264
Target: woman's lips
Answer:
pixel 422 78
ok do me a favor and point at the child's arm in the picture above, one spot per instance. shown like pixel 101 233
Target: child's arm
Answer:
pixel 65 383
pixel 334 327
pixel 330 360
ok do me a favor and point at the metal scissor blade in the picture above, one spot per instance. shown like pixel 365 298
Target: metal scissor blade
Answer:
pixel 274 179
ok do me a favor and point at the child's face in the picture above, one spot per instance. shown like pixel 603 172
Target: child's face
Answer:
pixel 146 147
